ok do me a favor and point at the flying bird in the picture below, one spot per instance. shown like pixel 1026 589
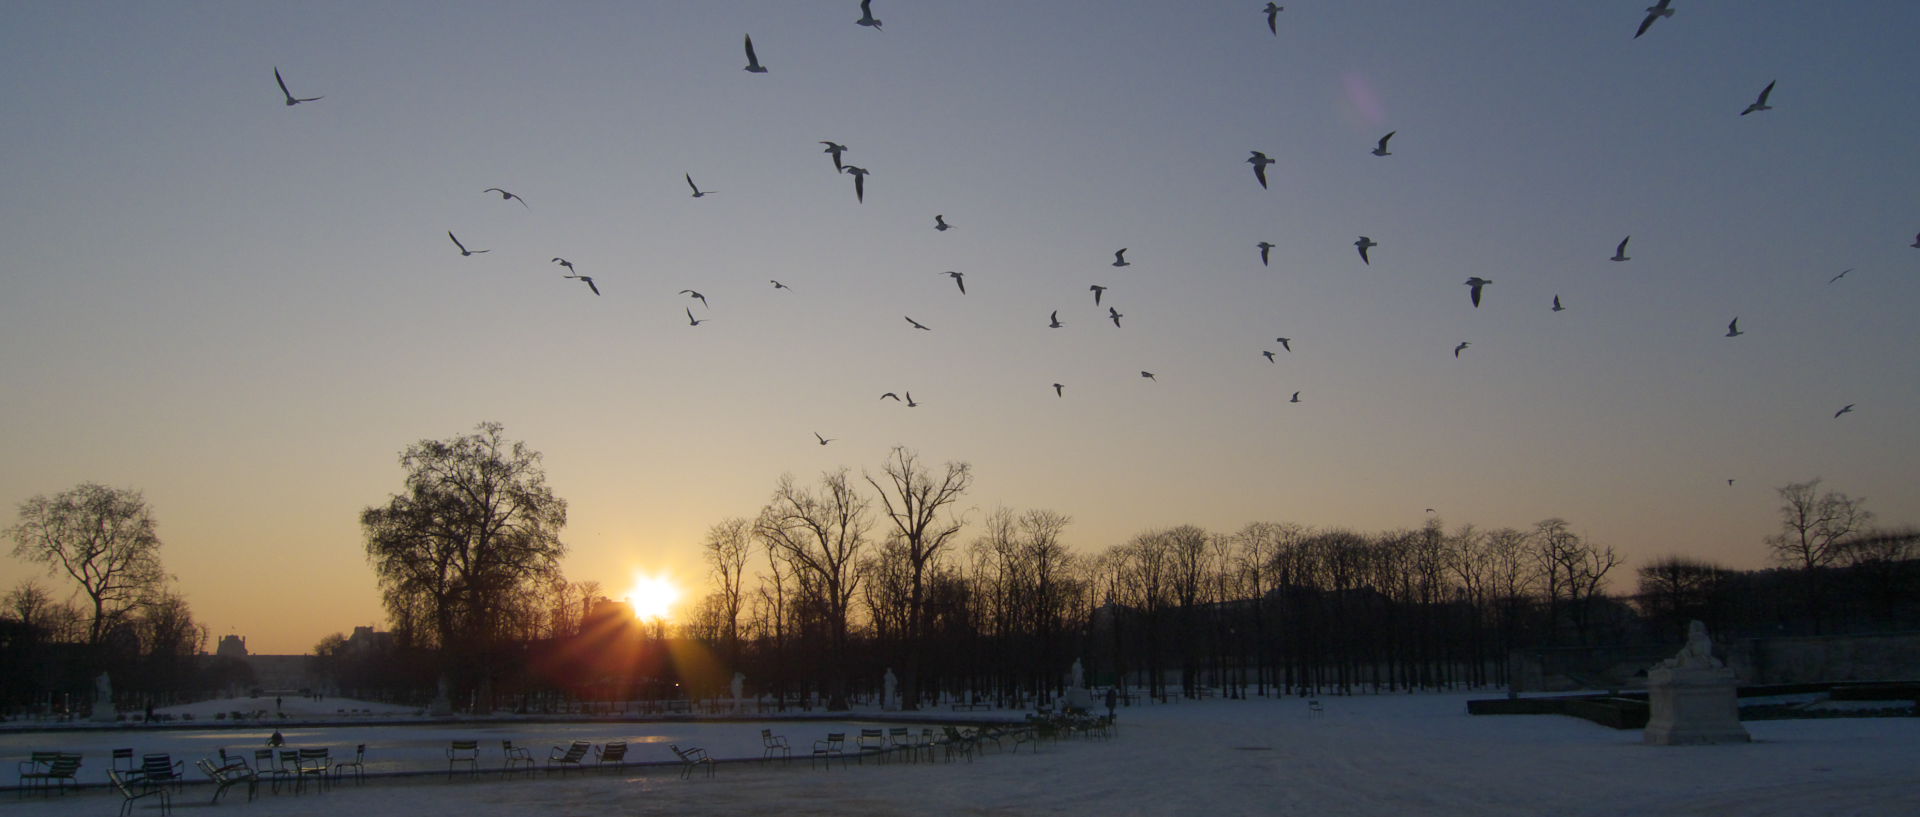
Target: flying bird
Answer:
pixel 910 403
pixel 753 60
pixel 291 99
pixel 1296 398
pixel 1365 244
pixel 1654 12
pixel 859 182
pixel 565 263
pixel 1268 353
pixel 504 195
pixel 1848 408
pixel 1916 241
pixel 1058 390
pixel 1556 304
pixel 836 150
pixel 1463 345
pixel 697 192
pixel 1149 376
pixel 588 280
pixel 1273 17
pixel 1729 482
pixel 1476 282
pixel 1260 161
pixel 1115 316
pixel 778 285
pixel 464 252
pixel 1285 343
pixel 896 398
pixel 1097 289
pixel 1381 149
pixel 693 321
pixel 697 296
pixel 866 16
pixel 959 280
pixel 916 324
pixel 1264 247
pixel 940 223
pixel 1761 103
pixel 1620 252
pixel 1053 322
pixel 1843 274
pixel 1120 258
pixel 823 440
pixel 1733 328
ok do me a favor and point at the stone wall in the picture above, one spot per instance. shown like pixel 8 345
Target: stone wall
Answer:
pixel 1809 659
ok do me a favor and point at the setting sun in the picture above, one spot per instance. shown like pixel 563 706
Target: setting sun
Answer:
pixel 652 597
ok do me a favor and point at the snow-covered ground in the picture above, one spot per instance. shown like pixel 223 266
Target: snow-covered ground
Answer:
pixel 1387 755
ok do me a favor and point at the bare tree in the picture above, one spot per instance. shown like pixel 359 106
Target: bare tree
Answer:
pixel 728 546
pixel 1814 526
pixel 912 499
pixel 103 538
pixel 820 536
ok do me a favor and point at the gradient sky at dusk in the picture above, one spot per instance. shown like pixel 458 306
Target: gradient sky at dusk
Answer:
pixel 247 310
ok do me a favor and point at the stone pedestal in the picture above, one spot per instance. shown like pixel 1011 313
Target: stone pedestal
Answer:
pixel 1079 698
pixel 1693 706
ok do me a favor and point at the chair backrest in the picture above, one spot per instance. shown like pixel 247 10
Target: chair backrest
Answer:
pixel 120 755
pixel 263 759
pixel 463 749
pixel 576 751
pixel 64 765
pixel 360 753
pixel 897 734
pixel 156 765
pixel 290 760
pixel 314 754
pixel 614 750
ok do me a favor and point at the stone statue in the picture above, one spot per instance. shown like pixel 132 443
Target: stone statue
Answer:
pixel 739 685
pixel 1079 675
pixel 1697 654
pixel 103 689
pixel 888 684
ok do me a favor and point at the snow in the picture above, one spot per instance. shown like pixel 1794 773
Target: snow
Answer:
pixel 1366 755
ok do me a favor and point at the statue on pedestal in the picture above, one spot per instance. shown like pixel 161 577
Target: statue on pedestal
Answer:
pixel 888 686
pixel 103 710
pixel 1691 697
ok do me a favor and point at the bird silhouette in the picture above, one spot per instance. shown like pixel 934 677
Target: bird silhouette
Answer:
pixel 1365 244
pixel 1115 316
pixel 1477 283
pixel 890 395
pixel 588 280
pixel 1268 353
pixel 697 192
pixel 693 321
pixel 1847 409
pixel 1733 328
pixel 823 440
pixel 1556 304
pixel 959 280
pixel 291 99
pixel 1843 274
pixel 505 196
pixel 917 324
pixel 1654 12
pixel 1053 321
pixel 697 296
pixel 1097 290
pixel 1620 252
pixel 778 285
pixel 1260 161
pixel 753 60
pixel 836 150
pixel 859 182
pixel 1761 103
pixel 1059 390
pixel 1381 149
pixel 565 263
pixel 464 252
pixel 940 223
pixel 1149 376
pixel 1295 398
pixel 1285 343
pixel 1273 17
pixel 1120 258
pixel 1264 247
pixel 1463 345
pixel 866 16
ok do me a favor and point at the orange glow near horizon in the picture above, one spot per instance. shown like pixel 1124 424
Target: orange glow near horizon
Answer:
pixel 652 597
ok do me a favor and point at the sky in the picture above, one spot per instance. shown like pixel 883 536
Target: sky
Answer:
pixel 247 310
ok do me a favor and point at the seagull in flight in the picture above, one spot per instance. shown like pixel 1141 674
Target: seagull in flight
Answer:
pixel 1729 482
pixel 823 440
pixel 565 263
pixel 1463 345
pixel 1381 149
pixel 1097 289
pixel 917 324
pixel 697 296
pixel 1264 247
pixel 1843 274
pixel 1556 304
pixel 1054 321
pixel 836 150
pixel 859 182
pixel 1115 316
pixel 1365 244
pixel 504 195
pixel 959 279
pixel 697 192
pixel 896 398
pixel 1268 353
pixel 1848 408
pixel 1916 241
pixel 778 285
pixel 693 321
pixel 1654 12
pixel 1733 328
pixel 1273 17
pixel 866 16
pixel 588 280
pixel 753 60
pixel 464 252
pixel 1260 161
pixel 1620 252
pixel 1285 343
pixel 1149 376
pixel 940 223
pixel 1059 390
pixel 1761 103
pixel 1476 282
pixel 1296 398
pixel 1120 258
pixel 291 99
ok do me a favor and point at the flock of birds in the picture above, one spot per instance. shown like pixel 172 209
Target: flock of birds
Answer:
pixel 1259 160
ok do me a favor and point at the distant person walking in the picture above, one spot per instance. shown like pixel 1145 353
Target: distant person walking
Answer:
pixel 1112 698
pixel 276 739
